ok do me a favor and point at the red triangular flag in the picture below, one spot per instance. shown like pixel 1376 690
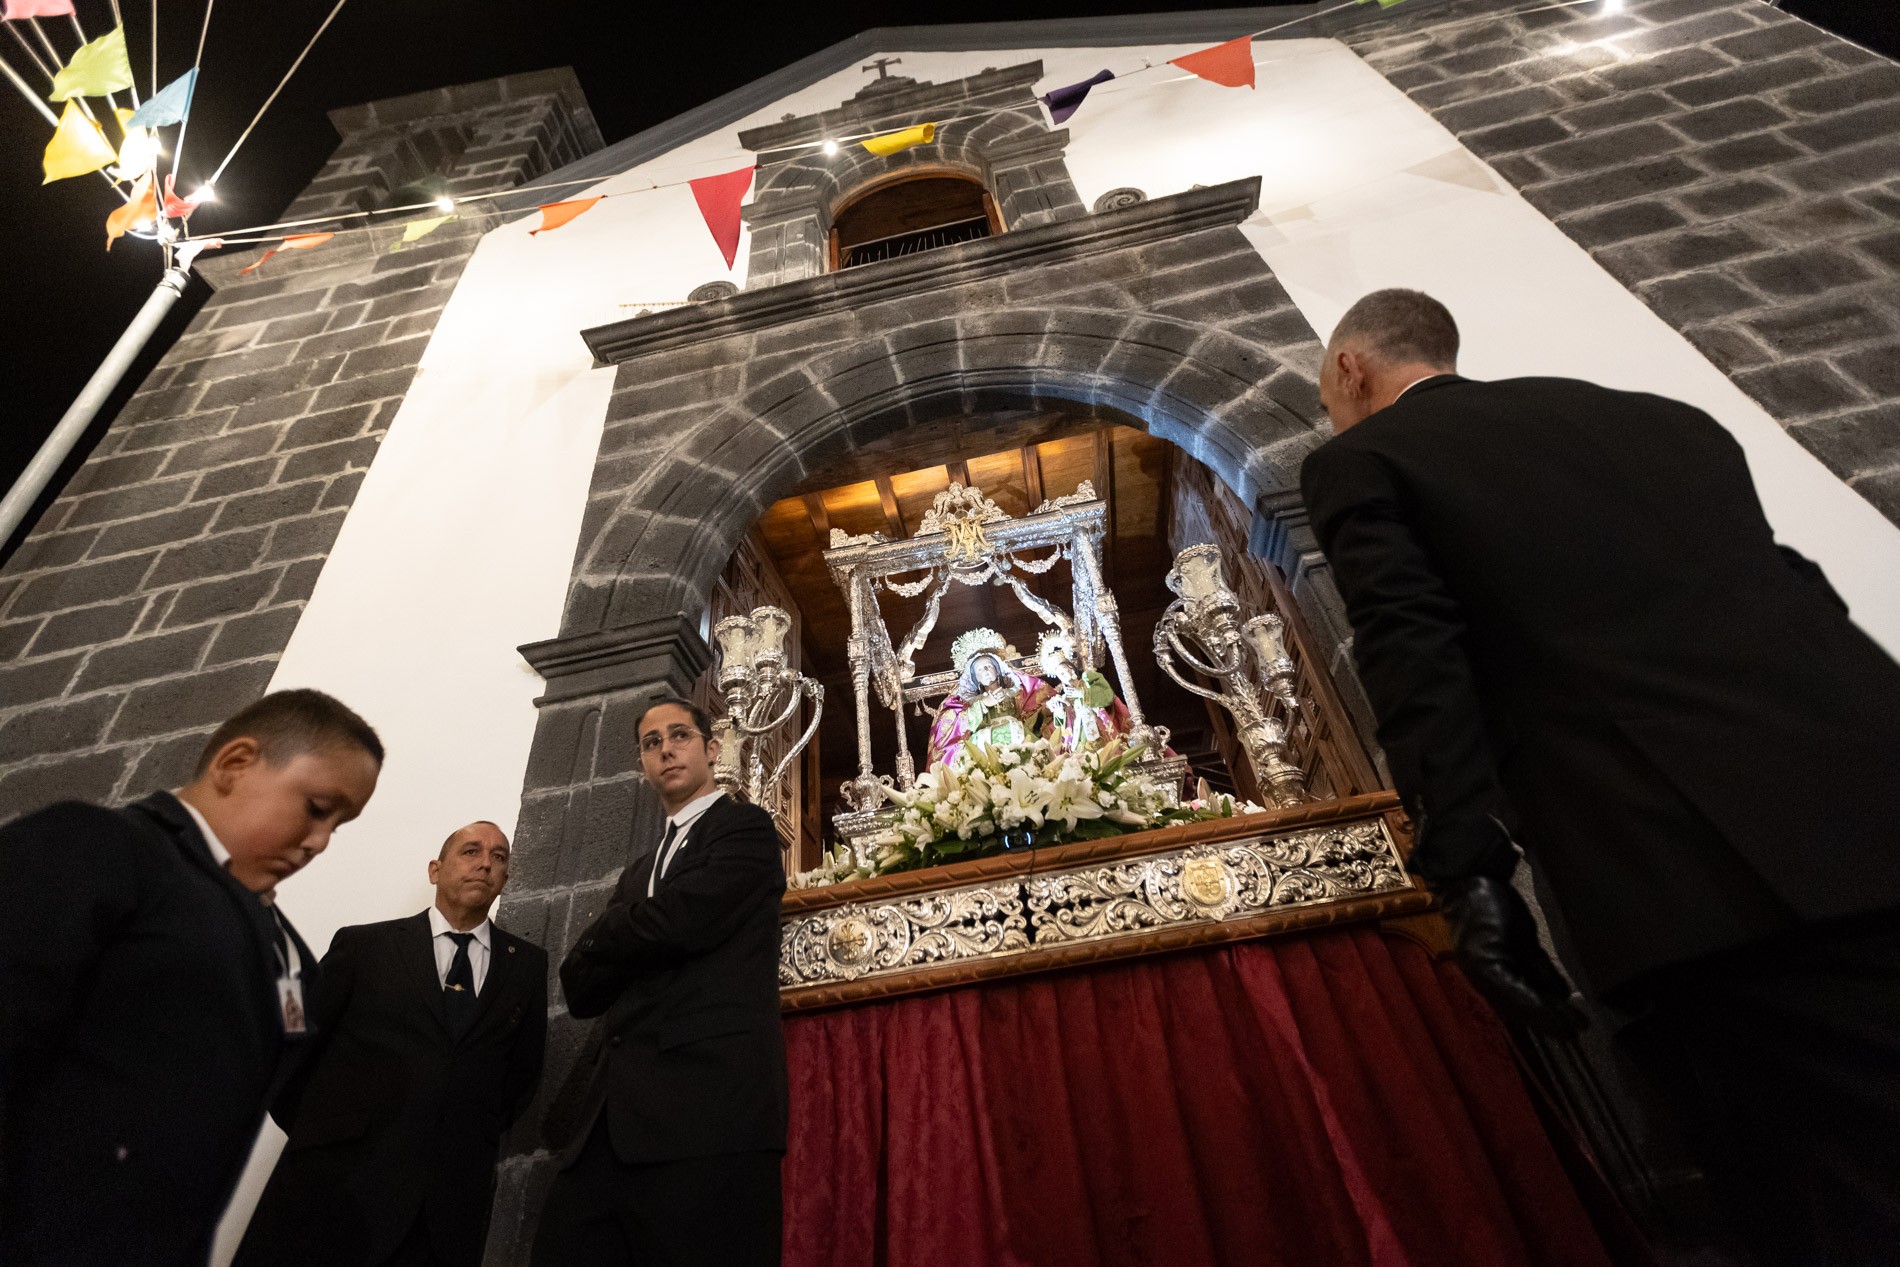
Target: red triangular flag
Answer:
pixel 176 208
pixel 1229 65
pixel 719 198
pixel 556 214
pixel 295 242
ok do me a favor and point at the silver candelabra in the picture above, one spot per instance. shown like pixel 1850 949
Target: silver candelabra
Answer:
pixel 762 693
pixel 1247 660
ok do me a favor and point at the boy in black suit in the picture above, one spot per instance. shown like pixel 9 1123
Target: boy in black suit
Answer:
pixel 432 1035
pixel 1571 615
pixel 677 1157
pixel 149 987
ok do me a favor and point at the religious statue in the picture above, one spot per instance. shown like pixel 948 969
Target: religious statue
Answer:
pixel 992 702
pixel 1082 712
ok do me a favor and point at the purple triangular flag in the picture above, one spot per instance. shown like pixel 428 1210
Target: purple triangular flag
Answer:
pixel 1063 102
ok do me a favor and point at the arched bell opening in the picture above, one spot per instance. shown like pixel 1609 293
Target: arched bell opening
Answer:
pixel 912 211
pixel 1159 500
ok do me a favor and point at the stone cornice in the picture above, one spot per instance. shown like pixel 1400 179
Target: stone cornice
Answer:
pixel 1157 220
pixel 666 652
pixel 906 101
pixel 1031 147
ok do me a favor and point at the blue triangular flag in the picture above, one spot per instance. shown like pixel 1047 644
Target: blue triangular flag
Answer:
pixel 169 104
pixel 1063 102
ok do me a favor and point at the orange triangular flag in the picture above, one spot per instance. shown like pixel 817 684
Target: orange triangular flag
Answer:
pixel 143 207
pixel 1229 65
pixel 295 242
pixel 556 214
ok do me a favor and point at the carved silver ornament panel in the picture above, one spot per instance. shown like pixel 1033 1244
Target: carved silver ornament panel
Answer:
pixel 1203 883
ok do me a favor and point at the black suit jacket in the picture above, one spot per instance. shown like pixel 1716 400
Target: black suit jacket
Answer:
pixel 390 1115
pixel 693 1061
pixel 140 1034
pixel 1567 604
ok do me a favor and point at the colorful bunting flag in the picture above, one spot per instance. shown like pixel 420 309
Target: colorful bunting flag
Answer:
pixel 169 104
pixel 138 152
pixel 295 242
pixel 892 142
pixel 140 209
pixel 416 230
pixel 1063 102
pixel 719 198
pixel 556 214
pixel 177 208
pixel 19 9
pixel 78 146
pixel 1229 65
pixel 95 70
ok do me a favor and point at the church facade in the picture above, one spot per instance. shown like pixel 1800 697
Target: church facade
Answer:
pixel 495 487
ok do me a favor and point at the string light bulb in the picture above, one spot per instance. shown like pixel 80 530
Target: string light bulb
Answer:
pixel 203 193
pixel 831 147
pixel 445 203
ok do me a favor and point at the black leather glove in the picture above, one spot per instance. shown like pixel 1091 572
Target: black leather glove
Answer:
pixel 1495 939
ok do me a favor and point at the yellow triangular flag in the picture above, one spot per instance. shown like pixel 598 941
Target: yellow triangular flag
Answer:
pixel 891 142
pixel 78 146
pixel 95 70
pixel 416 230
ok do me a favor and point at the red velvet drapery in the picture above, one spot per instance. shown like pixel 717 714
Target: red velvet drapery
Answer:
pixel 1320 1100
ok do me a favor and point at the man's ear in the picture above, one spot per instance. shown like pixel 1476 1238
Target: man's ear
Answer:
pixel 435 870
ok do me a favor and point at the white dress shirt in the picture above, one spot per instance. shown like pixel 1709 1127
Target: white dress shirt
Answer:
pixel 445 948
pixel 1420 379
pixel 680 823
pixel 289 962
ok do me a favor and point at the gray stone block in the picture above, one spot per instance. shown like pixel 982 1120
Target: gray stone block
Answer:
pixel 265 409
pixel 143 659
pixel 80 586
pixel 1747 153
pixel 1625 107
pixel 227 481
pixel 1772 41
pixel 1824 325
pixel 14 637
pixel 1663 69
pixel 220 450
pixel 355 391
pixel 1882 489
pixel 402 354
pixel 1883 249
pixel 53 728
pixel 152 531
pixel 1696 297
pixel 167 764
pixel 1795 389
pixel 54 550
pixel 202 699
pixel 1609 149
pixel 291 329
pixel 328 459
pixel 341 491
pixel 1842 130
pixel 252 637
pixel 1797 274
pixel 1863 165
pixel 272 504
pixel 1731 118
pixel 226 596
pixel 101 473
pixel 1877 369
pixel 1512 137
pixel 1728 348
pixel 213 556
pixel 307 537
pixel 1622 222
pixel 124 503
pixel 37 680
pixel 298 582
pixel 1749 80
pixel 1877 82
pixel 1618 184
pixel 1852 443
pixel 1732 197
pixel 91 777
pixel 88 626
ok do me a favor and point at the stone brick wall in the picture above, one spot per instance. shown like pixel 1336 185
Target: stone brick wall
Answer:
pixel 1736 167
pixel 159 591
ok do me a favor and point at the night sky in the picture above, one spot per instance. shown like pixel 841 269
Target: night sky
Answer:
pixel 67 299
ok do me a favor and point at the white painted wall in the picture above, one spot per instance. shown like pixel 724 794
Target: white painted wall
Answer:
pixel 461 540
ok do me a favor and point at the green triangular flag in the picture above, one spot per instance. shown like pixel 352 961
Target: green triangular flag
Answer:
pixel 96 69
pixel 416 230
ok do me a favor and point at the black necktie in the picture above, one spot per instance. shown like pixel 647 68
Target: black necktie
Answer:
pixel 660 858
pixel 458 989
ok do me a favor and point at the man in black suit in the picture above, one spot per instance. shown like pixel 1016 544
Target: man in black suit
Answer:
pixel 1571 616
pixel 433 1028
pixel 677 1157
pixel 149 987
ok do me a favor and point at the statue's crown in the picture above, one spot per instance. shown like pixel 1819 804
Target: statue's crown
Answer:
pixel 1054 640
pixel 972 641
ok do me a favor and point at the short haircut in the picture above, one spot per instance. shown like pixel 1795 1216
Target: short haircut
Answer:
pixel 702 720
pixel 448 840
pixel 1401 325
pixel 287 724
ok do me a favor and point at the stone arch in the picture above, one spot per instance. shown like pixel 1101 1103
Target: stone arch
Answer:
pixel 1228 401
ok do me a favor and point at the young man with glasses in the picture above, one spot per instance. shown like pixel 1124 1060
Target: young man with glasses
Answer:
pixel 677 1156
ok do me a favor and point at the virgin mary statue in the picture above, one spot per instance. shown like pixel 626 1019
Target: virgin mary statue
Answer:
pixel 992 701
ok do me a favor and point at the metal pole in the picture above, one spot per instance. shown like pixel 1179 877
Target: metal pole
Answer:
pixel 40 471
